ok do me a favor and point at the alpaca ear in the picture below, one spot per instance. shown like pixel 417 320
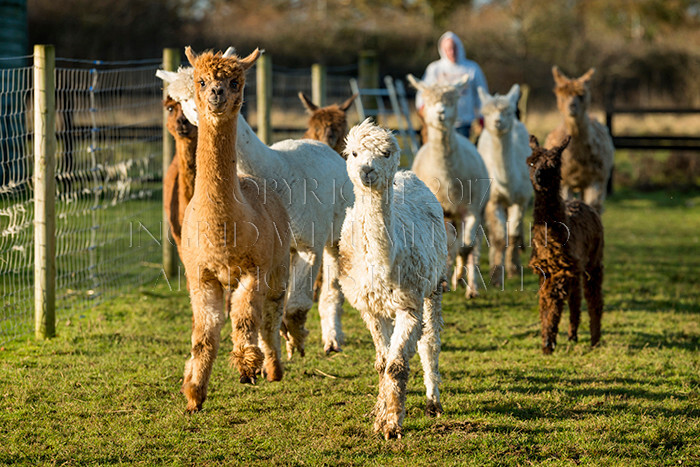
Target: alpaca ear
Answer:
pixel 230 52
pixel 189 53
pixel 250 60
pixel 534 144
pixel 415 82
pixel 346 105
pixel 462 83
pixel 483 95
pixel 310 106
pixel 514 94
pixel 564 144
pixel 587 76
pixel 167 76
pixel 559 77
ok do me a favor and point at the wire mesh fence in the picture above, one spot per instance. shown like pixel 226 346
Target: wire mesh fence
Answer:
pixel 108 171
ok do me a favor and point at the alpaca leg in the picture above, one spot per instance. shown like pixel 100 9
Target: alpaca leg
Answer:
pixel 208 318
pixel 515 240
pixel 273 312
pixel 330 305
pixel 456 263
pixel 496 223
pixel 392 389
pixel 594 196
pixel 304 267
pixel 429 351
pixel 246 308
pixel 574 307
pixel 551 307
pixel 472 252
pixel 380 329
pixel 593 291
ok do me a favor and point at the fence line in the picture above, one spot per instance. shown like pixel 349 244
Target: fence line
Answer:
pixel 107 190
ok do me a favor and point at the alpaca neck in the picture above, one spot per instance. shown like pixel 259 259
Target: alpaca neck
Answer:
pixel 186 148
pixel 502 156
pixel 442 139
pixel 255 157
pixel 374 227
pixel 577 127
pixel 217 178
pixel 549 215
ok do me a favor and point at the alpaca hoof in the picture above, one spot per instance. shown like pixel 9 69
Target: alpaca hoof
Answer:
pixel 546 350
pixel 433 409
pixel 391 431
pixel 332 346
pixel 573 338
pixel 471 293
pixel 273 371
pixel 195 397
pixel 193 408
pixel 292 346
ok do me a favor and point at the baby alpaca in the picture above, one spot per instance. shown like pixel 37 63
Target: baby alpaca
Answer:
pixel 567 249
pixel 588 160
pixel 235 245
pixel 393 249
pixel 178 183
pixel 328 124
pixel 504 146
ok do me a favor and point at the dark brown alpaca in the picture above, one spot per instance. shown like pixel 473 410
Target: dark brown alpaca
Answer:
pixel 567 249
pixel 178 184
pixel 328 124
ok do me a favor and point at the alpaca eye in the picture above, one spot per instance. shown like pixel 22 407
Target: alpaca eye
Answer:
pixel 201 82
pixel 234 84
pixel 387 154
pixel 354 154
pixel 170 109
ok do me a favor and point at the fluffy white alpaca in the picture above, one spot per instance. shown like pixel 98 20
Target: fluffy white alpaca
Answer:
pixel 393 251
pixel 454 171
pixel 309 176
pixel 504 146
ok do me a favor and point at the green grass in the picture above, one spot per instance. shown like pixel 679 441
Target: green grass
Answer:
pixel 106 390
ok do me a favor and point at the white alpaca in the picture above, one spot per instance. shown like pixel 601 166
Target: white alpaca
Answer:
pixel 309 176
pixel 393 251
pixel 454 171
pixel 504 145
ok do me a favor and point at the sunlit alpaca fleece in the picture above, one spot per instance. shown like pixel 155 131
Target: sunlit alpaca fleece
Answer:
pixel 235 241
pixel 588 160
pixel 454 171
pixel 393 256
pixel 314 185
pixel 504 146
pixel 567 250
pixel 328 124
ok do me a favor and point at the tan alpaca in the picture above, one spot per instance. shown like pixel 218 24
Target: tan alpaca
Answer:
pixel 328 124
pixel 178 183
pixel 235 245
pixel 587 161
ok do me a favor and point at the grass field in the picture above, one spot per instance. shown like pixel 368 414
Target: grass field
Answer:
pixel 106 390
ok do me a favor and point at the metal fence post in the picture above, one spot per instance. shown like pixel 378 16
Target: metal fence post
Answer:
pixel 171 60
pixel 44 191
pixel 318 84
pixel 264 95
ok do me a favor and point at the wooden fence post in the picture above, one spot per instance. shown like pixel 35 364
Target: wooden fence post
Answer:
pixel 264 95
pixel 318 84
pixel 44 191
pixel 171 60
pixel 368 75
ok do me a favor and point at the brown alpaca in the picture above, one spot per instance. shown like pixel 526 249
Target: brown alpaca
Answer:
pixel 178 184
pixel 587 162
pixel 328 124
pixel 567 249
pixel 232 248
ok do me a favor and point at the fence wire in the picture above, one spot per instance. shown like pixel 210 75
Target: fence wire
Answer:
pixel 108 189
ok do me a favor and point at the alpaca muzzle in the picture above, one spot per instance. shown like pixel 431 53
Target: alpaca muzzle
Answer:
pixel 368 176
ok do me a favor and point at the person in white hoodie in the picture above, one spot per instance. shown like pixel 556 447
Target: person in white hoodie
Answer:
pixel 453 64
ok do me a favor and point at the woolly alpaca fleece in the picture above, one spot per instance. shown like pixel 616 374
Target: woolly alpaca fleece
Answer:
pixel 313 183
pixel 250 280
pixel 456 174
pixel 588 160
pixel 327 124
pixel 504 146
pixel 567 250
pixel 393 256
